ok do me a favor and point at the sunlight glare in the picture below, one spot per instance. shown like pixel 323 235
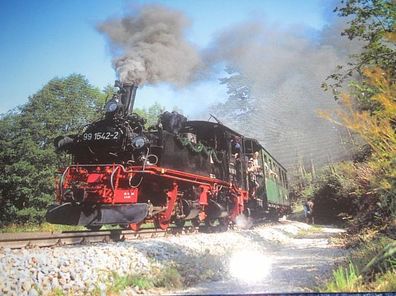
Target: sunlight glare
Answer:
pixel 249 266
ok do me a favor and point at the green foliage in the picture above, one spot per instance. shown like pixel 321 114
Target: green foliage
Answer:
pixel 309 231
pixel 371 267
pixel 43 227
pixel 377 129
pixel 27 158
pixel 367 250
pixel 166 277
pixel 334 193
pixel 57 292
pixel 307 192
pixel 341 192
pixel 302 187
pixel 385 282
pixel 372 19
pixel 169 277
pixel 348 192
pixel 120 282
pixel 109 90
pixel 345 280
pixel 151 114
pixel 385 260
pixel 373 23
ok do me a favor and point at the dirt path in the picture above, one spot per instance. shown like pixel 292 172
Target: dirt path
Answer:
pixel 295 259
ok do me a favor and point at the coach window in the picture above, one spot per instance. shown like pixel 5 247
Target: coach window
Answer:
pixel 277 173
pixel 265 161
pixel 266 168
pixel 281 176
pixel 287 182
pixel 285 178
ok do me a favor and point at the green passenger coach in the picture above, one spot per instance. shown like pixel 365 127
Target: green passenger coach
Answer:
pixel 271 178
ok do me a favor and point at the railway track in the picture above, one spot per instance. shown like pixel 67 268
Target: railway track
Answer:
pixel 52 239
pixel 20 240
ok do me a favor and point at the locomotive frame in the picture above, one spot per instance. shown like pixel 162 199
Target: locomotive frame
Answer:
pixel 173 172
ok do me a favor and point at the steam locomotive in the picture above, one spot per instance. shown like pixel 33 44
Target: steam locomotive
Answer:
pixel 174 171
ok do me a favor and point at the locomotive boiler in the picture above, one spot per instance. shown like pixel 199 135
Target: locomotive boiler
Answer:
pixel 125 173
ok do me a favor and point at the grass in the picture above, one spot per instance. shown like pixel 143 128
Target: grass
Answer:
pixel 311 230
pixel 297 213
pixel 114 283
pixel 371 268
pixel 298 208
pixel 168 277
pixel 56 292
pixel 47 227
pixel 385 282
pixel 120 282
pixel 345 280
pixel 44 227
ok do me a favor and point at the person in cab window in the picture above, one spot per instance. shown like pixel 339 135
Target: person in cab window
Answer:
pixel 235 145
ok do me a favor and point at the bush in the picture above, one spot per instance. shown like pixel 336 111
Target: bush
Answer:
pixel 336 193
pixel 371 267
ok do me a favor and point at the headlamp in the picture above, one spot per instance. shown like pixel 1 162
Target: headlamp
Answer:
pixel 111 106
pixel 139 142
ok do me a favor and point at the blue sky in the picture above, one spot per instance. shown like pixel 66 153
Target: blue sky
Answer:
pixel 44 39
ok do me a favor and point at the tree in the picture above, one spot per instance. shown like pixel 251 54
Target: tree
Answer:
pixel 373 23
pixel 151 113
pixel 240 101
pixel 378 131
pixel 369 108
pixel 28 161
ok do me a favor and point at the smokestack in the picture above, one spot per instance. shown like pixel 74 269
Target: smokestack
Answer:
pixel 128 94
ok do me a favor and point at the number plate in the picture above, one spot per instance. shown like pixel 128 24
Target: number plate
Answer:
pixel 101 136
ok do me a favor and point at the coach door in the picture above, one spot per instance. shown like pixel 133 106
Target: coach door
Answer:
pixel 254 156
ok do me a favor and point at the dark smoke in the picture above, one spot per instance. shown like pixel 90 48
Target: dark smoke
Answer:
pixel 149 47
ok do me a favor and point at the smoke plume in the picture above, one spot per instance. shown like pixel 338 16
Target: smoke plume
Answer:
pixel 149 47
pixel 274 83
pixel 281 72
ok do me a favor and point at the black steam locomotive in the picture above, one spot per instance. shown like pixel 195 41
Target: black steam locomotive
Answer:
pixel 172 172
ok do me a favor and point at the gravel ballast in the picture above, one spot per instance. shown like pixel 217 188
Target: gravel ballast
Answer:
pixel 283 257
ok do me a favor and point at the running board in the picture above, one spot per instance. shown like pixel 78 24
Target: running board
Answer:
pixel 73 214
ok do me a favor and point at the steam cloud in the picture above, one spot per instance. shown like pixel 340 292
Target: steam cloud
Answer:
pixel 282 72
pixel 149 47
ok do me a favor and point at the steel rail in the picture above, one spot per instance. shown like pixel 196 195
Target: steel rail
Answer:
pixel 19 240
pixel 50 239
